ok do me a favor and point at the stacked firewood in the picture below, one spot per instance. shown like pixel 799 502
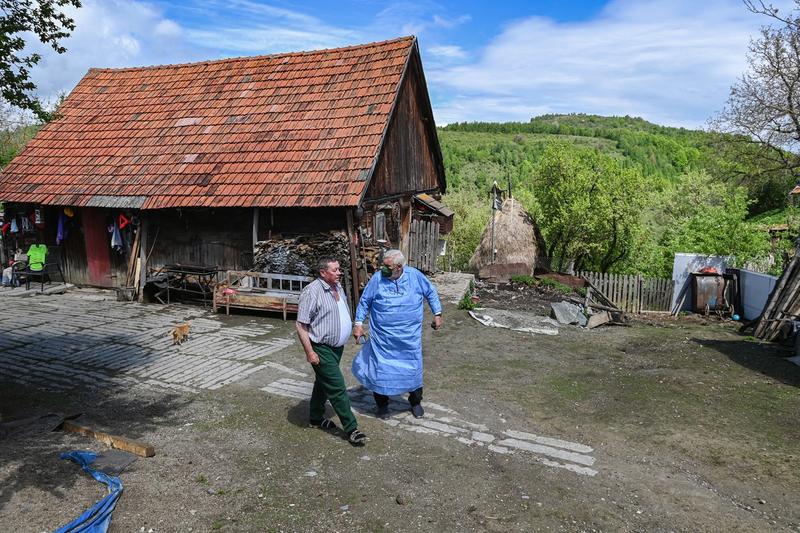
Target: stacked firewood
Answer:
pixel 299 255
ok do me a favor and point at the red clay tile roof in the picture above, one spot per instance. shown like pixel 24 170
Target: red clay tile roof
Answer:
pixel 300 129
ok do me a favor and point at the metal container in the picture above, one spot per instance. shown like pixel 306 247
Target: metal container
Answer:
pixel 709 292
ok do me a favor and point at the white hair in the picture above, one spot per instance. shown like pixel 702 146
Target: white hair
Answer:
pixel 396 257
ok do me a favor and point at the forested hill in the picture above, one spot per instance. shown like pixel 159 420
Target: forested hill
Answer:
pixel 660 151
pixel 613 193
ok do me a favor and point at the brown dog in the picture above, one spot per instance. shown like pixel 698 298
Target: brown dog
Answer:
pixel 180 333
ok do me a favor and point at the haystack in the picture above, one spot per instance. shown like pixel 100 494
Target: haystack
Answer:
pixel 514 239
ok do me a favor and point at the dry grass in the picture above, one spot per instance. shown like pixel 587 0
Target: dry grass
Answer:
pixel 514 238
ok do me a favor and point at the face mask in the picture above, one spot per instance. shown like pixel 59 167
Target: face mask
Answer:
pixel 386 271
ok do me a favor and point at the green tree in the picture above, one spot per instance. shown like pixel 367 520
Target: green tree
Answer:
pixel 19 19
pixel 472 212
pixel 702 215
pixel 589 207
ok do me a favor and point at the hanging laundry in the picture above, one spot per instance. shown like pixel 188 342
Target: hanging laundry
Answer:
pixel 6 227
pixel 27 226
pixel 63 228
pixel 116 238
pixel 14 227
pixel 38 219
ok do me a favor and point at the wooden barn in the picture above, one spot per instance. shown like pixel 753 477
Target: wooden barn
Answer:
pixel 194 164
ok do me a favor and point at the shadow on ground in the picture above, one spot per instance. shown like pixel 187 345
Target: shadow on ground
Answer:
pixel 767 359
pixel 30 463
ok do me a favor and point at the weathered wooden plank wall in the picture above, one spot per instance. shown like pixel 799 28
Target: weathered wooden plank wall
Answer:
pixel 207 237
pixel 74 262
pixel 407 163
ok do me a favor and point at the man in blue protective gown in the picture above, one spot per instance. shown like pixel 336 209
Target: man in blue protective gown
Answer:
pixel 390 362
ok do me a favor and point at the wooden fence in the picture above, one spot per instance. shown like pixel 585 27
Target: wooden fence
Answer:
pixel 633 294
pixel 424 245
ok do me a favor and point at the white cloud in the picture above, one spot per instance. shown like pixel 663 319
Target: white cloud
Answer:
pixel 126 33
pixel 415 17
pixel 447 51
pixel 256 28
pixel 444 22
pixel 670 61
pixel 110 33
pixel 168 28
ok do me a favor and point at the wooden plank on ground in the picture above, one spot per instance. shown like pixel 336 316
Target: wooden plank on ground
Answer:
pixel 598 319
pixel 136 447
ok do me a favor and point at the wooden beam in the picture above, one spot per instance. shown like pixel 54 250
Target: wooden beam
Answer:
pixel 142 255
pixel 141 449
pixel 356 296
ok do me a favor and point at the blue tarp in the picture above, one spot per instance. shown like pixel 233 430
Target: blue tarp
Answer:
pixel 97 518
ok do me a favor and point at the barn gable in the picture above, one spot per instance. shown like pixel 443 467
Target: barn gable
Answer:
pixel 410 158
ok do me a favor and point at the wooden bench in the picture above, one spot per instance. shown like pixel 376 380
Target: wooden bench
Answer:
pixel 262 291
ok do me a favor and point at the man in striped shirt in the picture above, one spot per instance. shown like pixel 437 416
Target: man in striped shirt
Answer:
pixel 324 326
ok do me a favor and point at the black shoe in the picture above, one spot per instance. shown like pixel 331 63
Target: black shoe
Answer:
pixel 383 412
pixel 417 410
pixel 327 424
pixel 356 438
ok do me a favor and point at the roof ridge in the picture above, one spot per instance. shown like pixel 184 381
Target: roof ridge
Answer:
pixel 411 38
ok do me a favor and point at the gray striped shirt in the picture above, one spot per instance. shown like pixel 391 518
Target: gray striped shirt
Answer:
pixel 319 309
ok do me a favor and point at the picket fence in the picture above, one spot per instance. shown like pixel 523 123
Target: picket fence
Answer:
pixel 633 294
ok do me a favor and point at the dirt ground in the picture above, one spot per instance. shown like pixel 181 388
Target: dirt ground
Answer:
pixel 691 427
pixel 517 297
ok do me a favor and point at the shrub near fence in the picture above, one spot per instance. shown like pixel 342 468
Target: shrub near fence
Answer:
pixel 633 294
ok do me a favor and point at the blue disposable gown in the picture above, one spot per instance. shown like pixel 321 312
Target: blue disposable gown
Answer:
pixel 391 361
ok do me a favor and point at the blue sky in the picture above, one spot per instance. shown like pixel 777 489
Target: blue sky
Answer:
pixel 669 61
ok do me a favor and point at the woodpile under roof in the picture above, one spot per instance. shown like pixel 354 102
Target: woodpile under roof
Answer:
pixel 300 255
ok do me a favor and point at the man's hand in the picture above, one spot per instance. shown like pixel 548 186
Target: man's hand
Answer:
pixel 358 332
pixel 312 358
pixel 437 322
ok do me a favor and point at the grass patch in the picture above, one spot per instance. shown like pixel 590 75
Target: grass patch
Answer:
pixel 570 389
pixel 523 279
pixel 201 479
pixel 466 300
pixel 556 286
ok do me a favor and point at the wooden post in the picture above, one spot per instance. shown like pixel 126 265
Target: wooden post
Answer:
pixel 405 227
pixel 356 293
pixel 3 258
pixel 142 255
pixel 255 227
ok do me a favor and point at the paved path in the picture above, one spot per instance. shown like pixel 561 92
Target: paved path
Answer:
pixel 85 339
pixel 81 338
pixel 444 422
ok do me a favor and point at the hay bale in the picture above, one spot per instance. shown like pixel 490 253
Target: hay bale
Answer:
pixel 514 239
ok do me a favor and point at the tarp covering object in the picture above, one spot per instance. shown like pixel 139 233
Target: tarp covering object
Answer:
pixel 97 518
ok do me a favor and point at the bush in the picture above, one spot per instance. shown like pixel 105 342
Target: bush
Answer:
pixel 523 279
pixel 556 286
pixel 466 301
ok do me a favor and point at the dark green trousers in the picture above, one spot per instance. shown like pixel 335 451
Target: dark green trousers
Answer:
pixel 330 385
